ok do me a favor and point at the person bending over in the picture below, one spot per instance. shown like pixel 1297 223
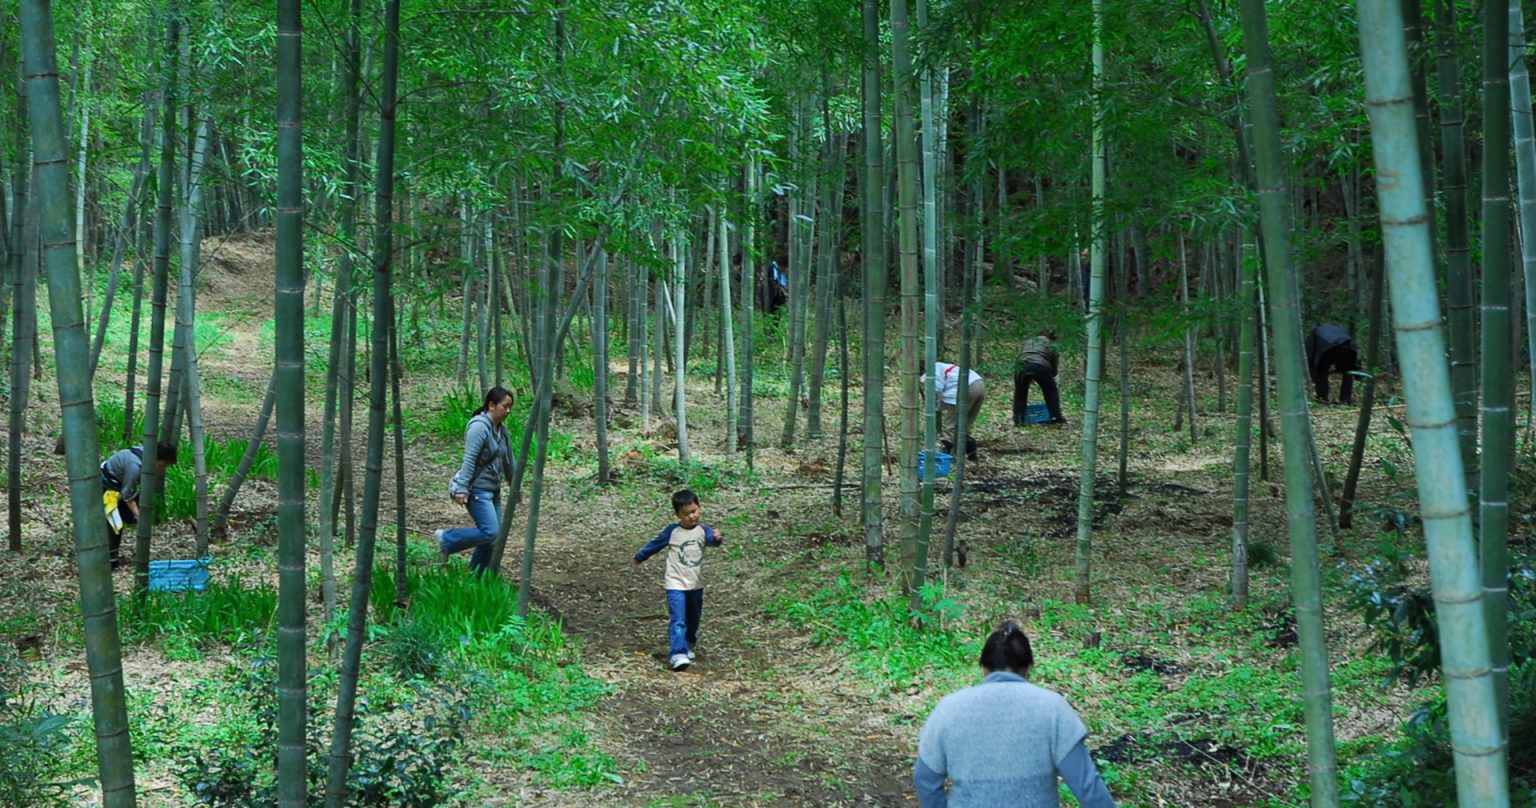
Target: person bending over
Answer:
pixel 1330 348
pixel 120 482
pixel 947 382
pixel 1038 363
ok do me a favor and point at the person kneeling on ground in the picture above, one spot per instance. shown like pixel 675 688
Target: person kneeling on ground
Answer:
pixel 1329 348
pixel 477 485
pixel 120 485
pixel 1005 741
pixel 684 541
pixel 1038 362
pixel 947 382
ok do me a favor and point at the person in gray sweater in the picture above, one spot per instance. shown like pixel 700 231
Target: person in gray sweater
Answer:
pixel 120 475
pixel 477 485
pixel 1005 741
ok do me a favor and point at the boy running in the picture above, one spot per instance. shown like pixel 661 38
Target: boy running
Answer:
pixel 684 541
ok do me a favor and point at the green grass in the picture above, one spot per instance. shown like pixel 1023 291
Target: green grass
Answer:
pixel 228 612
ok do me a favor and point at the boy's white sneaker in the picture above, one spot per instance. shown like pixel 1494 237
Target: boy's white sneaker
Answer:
pixel 680 662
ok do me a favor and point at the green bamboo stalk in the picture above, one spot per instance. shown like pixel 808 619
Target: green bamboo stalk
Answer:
pixel 292 712
pixel 874 264
pixel 150 478
pixel 1099 246
pixel 1497 363
pixel 1465 655
pixel 103 653
pixel 907 179
pixel 1241 463
pixel 728 334
pixel 930 322
pixel 383 318
pixel 679 354
pixel 1458 243
pixel 1525 164
pixel 191 255
pixel 1285 316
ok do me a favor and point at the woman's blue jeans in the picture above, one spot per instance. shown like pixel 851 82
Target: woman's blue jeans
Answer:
pixel 683 609
pixel 484 507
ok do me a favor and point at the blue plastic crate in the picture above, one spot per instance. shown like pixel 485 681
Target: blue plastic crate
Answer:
pixel 179 576
pixel 941 464
pixel 1037 414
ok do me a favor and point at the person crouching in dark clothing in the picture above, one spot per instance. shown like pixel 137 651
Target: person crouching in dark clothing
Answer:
pixel 120 476
pixel 1330 348
pixel 1037 363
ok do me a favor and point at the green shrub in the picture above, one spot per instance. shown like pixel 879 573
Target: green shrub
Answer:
pixel 35 741
pixel 402 752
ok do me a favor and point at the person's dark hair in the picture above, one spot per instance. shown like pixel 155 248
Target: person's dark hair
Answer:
pixel 1007 649
pixel 493 396
pixel 684 497
pixel 166 452
pixel 1048 333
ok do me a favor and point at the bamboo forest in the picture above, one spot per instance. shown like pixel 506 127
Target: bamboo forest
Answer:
pixel 1098 403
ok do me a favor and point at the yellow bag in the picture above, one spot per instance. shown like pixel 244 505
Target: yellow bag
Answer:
pixel 109 502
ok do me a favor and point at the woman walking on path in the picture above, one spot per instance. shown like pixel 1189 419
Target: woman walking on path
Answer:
pixel 477 485
pixel 1004 741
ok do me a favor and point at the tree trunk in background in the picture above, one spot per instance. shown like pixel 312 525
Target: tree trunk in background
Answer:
pixel 747 435
pixel 1525 164
pixel 804 221
pixel 339 308
pixel 931 279
pixel 1367 395
pixel 679 354
pixel 1094 362
pixel 633 332
pixel 383 318
pixel 1458 243
pixel 1122 302
pixel 909 364
pixel 191 255
pixel 728 336
pixel 643 323
pixel 467 261
pixel 23 320
pixel 1496 350
pixel 125 231
pixel 1286 314
pixel 292 712
pixel 402 583
pixel 103 652
pixel 1189 337
pixel 252 446
pixel 131 382
pixel 150 478
pixel 1241 465
pixel 550 338
pixel 874 263
pixel 1466 658
pixel 969 301
pixel 827 262
pixel 600 363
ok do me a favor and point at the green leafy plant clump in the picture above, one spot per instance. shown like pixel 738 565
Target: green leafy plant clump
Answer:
pixel 35 741
pixel 226 612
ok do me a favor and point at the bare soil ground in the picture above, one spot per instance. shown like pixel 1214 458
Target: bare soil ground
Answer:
pixel 764 717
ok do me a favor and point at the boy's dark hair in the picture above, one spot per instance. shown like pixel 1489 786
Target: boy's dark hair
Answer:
pixel 684 497
pixel 1048 333
pixel 1007 649
pixel 166 452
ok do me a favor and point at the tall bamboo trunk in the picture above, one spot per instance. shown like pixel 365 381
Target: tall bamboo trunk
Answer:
pixel 1286 316
pixel 150 477
pixel 103 655
pixel 679 354
pixel 728 336
pixel 1241 465
pixel 1525 164
pixel 600 363
pixel 1458 243
pixel 874 265
pixel 292 662
pixel 1367 396
pixel 747 434
pixel 1099 247
pixel 907 226
pixel 383 317
pixel 1471 691
pixel 191 254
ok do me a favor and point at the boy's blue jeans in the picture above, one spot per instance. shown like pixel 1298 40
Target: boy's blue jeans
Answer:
pixel 484 507
pixel 683 609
